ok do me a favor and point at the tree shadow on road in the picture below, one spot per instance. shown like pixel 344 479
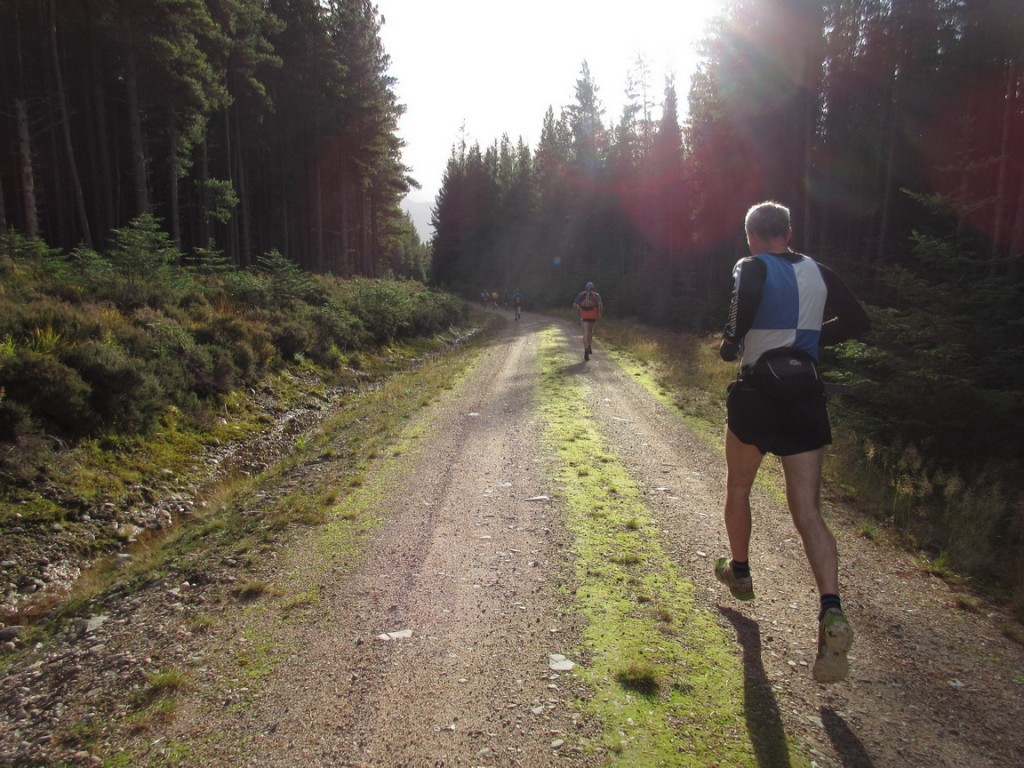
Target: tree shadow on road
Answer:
pixel 761 710
pixel 850 749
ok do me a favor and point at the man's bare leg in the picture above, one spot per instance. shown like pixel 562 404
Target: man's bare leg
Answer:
pixel 742 461
pixel 803 492
pixel 588 336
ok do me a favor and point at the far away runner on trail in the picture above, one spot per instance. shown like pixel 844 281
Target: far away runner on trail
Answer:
pixel 589 305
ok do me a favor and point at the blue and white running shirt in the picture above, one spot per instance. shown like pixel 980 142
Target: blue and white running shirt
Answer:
pixel 791 308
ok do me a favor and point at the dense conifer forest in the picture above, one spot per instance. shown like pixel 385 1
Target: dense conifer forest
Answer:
pixel 239 136
pixel 245 125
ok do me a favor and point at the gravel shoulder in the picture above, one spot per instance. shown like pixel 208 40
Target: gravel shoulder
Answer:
pixel 472 572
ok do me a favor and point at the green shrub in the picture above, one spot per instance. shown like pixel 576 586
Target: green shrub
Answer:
pixel 239 338
pixel 144 261
pixel 433 312
pixel 287 283
pixel 88 271
pixel 336 326
pixel 15 419
pixel 247 289
pixel 53 392
pixel 27 259
pixel 123 394
pixel 381 307
pixel 291 339
pixel 209 373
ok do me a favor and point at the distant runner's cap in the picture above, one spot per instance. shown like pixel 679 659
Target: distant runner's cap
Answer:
pixel 590 286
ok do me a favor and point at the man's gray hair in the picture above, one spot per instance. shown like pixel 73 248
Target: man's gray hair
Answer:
pixel 767 220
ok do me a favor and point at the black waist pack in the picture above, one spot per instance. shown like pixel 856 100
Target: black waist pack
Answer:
pixel 787 374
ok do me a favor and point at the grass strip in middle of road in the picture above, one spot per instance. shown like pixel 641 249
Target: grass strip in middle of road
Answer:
pixel 667 688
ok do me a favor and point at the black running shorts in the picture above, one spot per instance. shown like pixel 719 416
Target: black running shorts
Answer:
pixel 781 427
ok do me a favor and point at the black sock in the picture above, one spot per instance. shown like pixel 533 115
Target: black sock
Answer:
pixel 740 570
pixel 829 601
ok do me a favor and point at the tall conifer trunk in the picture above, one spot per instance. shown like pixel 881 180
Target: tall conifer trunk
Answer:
pixel 3 209
pixel 135 127
pixel 204 177
pixel 245 249
pixel 319 215
pixel 232 223
pixel 999 215
pixel 1015 270
pixel 62 105
pixel 172 181
pixel 28 184
pixel 107 218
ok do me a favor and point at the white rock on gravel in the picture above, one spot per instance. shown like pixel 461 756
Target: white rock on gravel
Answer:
pixel 559 663
pixel 399 635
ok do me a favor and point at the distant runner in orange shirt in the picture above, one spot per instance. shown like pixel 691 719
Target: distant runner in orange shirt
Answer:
pixel 588 303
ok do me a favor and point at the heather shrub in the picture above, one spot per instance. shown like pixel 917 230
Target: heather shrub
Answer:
pixel 433 312
pixel 107 341
pixel 54 393
pixel 382 307
pixel 123 394
pixel 291 338
pixel 24 320
pixel 209 372
pixel 15 419
pixel 238 338
pixel 156 336
pixel 335 325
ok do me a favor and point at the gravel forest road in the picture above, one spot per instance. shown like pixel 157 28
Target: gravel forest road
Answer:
pixel 472 571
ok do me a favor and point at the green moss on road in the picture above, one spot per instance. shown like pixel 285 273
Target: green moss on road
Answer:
pixel 667 685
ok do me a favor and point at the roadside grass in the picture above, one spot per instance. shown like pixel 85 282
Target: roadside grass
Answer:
pixel 156 702
pixel 667 689
pixel 681 370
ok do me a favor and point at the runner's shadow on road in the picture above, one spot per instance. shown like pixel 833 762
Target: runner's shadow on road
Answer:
pixel 572 370
pixel 850 749
pixel 761 710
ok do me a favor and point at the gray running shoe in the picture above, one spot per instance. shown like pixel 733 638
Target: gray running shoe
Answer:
pixel 742 588
pixel 835 638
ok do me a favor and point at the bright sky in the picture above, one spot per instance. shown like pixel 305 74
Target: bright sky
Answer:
pixel 497 67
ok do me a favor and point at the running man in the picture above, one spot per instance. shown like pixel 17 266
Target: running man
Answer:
pixel 588 303
pixel 782 299
pixel 517 302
